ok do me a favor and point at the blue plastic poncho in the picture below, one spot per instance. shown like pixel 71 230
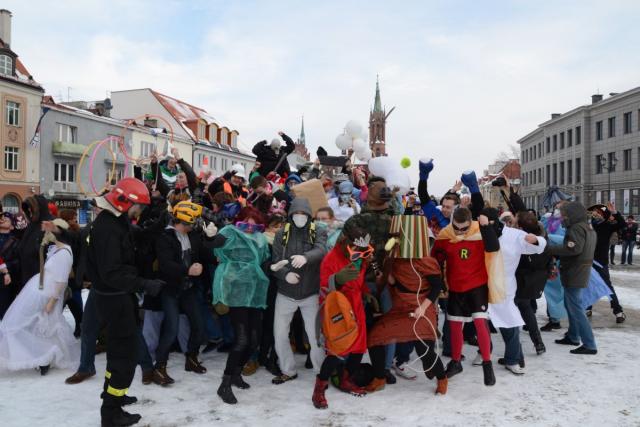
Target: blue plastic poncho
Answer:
pixel 239 280
pixel 596 288
pixel 553 290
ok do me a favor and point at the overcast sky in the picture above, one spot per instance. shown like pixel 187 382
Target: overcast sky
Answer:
pixel 467 78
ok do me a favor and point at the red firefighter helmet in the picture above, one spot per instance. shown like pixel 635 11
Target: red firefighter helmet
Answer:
pixel 128 192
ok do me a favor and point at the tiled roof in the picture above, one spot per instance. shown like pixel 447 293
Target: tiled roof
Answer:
pixel 183 112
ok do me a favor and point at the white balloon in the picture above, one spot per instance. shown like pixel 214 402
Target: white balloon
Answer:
pixel 364 156
pixel 353 129
pixel 344 142
pixel 378 165
pixel 359 146
pixel 389 169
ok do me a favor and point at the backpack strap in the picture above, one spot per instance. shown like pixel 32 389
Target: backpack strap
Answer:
pixel 312 233
pixel 285 234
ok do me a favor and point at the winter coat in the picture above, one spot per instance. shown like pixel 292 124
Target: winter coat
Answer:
pixel 604 231
pixel 299 242
pixel 269 159
pixel 578 247
pixel 532 274
pixel 629 232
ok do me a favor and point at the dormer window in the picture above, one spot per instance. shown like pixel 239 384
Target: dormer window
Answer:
pixel 6 65
pixel 202 129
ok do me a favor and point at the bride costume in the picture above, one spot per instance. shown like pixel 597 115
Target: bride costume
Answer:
pixel 30 337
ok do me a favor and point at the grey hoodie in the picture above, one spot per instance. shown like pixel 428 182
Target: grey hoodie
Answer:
pixel 576 251
pixel 299 244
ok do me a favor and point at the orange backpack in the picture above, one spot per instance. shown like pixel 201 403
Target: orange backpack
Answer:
pixel 339 325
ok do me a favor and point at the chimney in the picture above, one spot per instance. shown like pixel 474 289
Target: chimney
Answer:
pixel 555 115
pixel 596 98
pixel 5 27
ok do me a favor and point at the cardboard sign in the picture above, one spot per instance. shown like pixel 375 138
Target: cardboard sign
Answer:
pixel 313 191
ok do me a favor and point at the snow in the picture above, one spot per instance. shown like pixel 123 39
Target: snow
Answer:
pixel 559 389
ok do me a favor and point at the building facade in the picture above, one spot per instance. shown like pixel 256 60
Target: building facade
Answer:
pixel 591 152
pixel 20 97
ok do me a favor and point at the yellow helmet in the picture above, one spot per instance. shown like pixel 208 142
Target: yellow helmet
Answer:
pixel 187 212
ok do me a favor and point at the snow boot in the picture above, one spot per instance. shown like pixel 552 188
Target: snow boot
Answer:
pixel 44 370
pixel 453 368
pixel 225 392
pixel 442 386
pixel 348 386
pixel 118 418
pixel 250 368
pixel 489 377
pixel 124 400
pixel 308 364
pixel 192 364
pixel 540 348
pixel 583 350
pixel 318 398
pixel 160 375
pixel 566 341
pixel 391 379
pixel 237 381
pixel 376 385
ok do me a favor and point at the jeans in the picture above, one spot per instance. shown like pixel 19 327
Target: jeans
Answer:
pixel 390 349
pixel 627 245
pixel 284 311
pixel 512 347
pixel 579 326
pixel 187 301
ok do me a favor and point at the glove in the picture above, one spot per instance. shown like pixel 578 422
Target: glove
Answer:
pixel 426 166
pixel 347 274
pixel 292 278
pixel 298 261
pixel 210 230
pixel 153 286
pixel 469 179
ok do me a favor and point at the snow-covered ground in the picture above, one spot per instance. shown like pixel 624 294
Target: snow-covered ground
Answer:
pixel 559 389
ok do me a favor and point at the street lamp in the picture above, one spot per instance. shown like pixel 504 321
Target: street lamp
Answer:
pixel 609 167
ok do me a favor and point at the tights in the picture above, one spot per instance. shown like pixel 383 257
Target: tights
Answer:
pixel 484 339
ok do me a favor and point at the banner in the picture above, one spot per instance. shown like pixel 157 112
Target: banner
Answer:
pixel 598 197
pixel 626 201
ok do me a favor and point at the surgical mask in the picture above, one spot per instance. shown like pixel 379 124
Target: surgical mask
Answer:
pixel 300 220
pixel 556 213
pixel 345 198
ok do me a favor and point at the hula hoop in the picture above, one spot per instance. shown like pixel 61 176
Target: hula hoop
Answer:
pixel 82 159
pixel 122 147
pixel 92 159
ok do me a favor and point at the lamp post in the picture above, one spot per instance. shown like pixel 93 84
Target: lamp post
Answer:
pixel 609 167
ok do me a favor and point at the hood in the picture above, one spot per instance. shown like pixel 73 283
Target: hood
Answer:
pixel 293 177
pixel 574 212
pixel 36 208
pixel 345 187
pixel 300 204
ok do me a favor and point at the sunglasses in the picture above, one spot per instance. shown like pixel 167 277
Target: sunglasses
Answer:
pixel 459 228
pixel 249 228
pixel 356 254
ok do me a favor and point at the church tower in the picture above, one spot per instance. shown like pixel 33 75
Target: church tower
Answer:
pixel 377 125
pixel 301 145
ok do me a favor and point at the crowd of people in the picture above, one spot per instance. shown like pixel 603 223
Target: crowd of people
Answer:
pixel 243 264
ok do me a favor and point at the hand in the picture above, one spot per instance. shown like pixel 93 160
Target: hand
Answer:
pixel 370 299
pixel 292 278
pixel 298 261
pixel 7 279
pixel 50 305
pixel 347 274
pixel 457 186
pixel 210 230
pixel 281 133
pixel 153 286
pixel 465 201
pixel 531 238
pixel 195 269
pixel 176 153
pixel 612 207
pixel 421 309
pixel 483 220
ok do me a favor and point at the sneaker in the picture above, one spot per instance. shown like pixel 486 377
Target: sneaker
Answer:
pixel 478 360
pixel 566 341
pixel 620 317
pixel 403 372
pixel 453 368
pixel 515 369
pixel 583 350
pixel 503 362
pixel 550 326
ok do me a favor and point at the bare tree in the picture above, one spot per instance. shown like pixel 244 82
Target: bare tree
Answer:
pixel 513 152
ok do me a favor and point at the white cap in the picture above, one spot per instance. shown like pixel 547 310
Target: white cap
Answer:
pixel 239 170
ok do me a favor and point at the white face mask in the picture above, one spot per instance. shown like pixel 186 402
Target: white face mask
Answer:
pixel 300 220
pixel 556 213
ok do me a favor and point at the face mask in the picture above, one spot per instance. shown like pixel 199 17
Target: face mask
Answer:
pixel 300 220
pixel 345 198
pixel 556 213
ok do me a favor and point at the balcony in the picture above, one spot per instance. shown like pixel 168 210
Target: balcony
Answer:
pixel 67 149
pixel 70 188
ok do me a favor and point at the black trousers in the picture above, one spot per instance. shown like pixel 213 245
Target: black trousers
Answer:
pixel 267 349
pixel 246 323
pixel 529 317
pixel 117 314
pixel 331 363
pixel 431 362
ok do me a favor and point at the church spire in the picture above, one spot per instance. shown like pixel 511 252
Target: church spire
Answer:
pixel 301 140
pixel 377 107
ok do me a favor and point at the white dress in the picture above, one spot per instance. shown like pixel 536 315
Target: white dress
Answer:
pixel 512 246
pixel 29 337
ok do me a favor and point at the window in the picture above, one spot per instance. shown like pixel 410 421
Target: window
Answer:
pixel 569 171
pixel 548 145
pixel 215 163
pixel 147 148
pixel 524 157
pixel 223 137
pixel 548 175
pixel 10 203
pixel 213 133
pixel 569 137
pixel 561 173
pixel 534 176
pixel 578 170
pixel 627 123
pixel 67 133
pixel 64 172
pixel 540 149
pixel 611 162
pixel 562 140
pixel 13 113
pixel 202 131
pixel 555 174
pixel 6 65
pixel 578 135
pixel 599 163
pixel 555 142
pixel 599 131
pixel 612 127
pixel 627 159
pixel 114 143
pixel 11 159
pixel 638 158
pixel 117 175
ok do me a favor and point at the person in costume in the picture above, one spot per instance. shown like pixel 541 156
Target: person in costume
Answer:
pixel 240 288
pixel 344 269
pixel 273 156
pixel 414 285
pixel 470 250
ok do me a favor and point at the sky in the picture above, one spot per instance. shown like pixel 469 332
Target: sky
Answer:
pixel 467 78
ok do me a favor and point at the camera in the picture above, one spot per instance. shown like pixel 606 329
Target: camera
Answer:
pixel 499 182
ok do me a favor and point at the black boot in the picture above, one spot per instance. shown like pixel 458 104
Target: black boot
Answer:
pixel 125 400
pixel 236 380
pixel 550 326
pixel 540 348
pixel 453 368
pixel 487 369
pixel 44 370
pixel 225 392
pixel 567 341
pixel 118 418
